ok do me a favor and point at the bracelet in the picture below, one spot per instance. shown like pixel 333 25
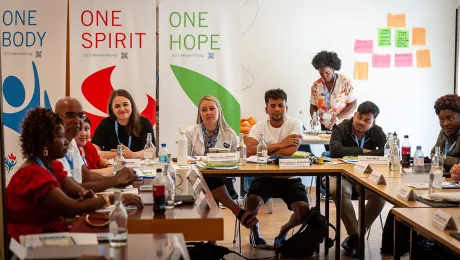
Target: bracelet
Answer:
pixel 107 200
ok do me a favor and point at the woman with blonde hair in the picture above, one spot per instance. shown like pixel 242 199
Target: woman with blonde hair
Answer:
pixel 212 131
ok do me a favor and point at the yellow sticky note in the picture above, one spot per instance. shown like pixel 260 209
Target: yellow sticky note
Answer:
pixel 423 59
pixel 418 36
pixel 396 20
pixel 361 70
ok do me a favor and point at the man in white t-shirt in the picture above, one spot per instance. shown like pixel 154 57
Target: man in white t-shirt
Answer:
pixel 72 115
pixel 283 135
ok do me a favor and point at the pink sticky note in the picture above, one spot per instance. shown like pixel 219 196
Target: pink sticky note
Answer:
pixel 381 61
pixel 364 46
pixel 404 60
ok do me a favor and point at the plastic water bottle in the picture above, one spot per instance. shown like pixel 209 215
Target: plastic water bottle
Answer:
pixel 118 225
pixel 418 161
pixel 171 170
pixel 170 188
pixel 387 145
pixel 119 162
pixel 149 150
pixel 394 156
pixel 182 148
pixel 300 117
pixel 163 154
pixel 437 168
pixel 262 157
pixel 241 151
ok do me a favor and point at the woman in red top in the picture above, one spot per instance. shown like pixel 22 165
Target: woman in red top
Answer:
pixel 87 150
pixel 40 192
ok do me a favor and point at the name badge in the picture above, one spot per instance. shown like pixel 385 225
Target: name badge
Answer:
pixel 294 163
pixel 363 167
pixel 443 220
pixel 377 178
pixel 407 194
pixel 222 157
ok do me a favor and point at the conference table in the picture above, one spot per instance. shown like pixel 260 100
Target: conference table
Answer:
pixel 420 220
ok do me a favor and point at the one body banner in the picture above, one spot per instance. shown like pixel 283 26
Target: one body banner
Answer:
pixel 199 55
pixel 113 46
pixel 33 49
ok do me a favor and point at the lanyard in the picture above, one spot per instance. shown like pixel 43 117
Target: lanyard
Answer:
pixel 69 160
pixel 450 149
pixel 362 141
pixel 40 162
pixel 116 132
pixel 328 94
pixel 84 160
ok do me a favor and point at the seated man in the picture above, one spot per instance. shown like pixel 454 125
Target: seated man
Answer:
pixel 447 109
pixel 357 136
pixel 72 115
pixel 282 136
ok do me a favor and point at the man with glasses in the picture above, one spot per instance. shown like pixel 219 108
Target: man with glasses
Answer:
pixel 72 114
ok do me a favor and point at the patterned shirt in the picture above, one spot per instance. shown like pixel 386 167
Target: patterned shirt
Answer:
pixel 342 95
pixel 210 139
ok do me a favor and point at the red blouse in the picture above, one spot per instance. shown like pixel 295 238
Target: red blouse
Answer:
pixel 25 211
pixel 91 157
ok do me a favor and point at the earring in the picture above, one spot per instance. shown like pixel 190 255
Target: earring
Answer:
pixel 45 151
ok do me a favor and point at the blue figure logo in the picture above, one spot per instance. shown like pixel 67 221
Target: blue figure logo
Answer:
pixel 14 93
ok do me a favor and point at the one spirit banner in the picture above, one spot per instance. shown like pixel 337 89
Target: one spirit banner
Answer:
pixel 113 46
pixel 199 55
pixel 33 49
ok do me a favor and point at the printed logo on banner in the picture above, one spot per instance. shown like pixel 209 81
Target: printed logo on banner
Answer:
pixel 14 94
pixel 100 80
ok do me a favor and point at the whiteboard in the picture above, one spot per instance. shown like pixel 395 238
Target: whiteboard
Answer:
pixel 280 38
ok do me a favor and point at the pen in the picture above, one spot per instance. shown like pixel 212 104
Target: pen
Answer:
pixel 194 157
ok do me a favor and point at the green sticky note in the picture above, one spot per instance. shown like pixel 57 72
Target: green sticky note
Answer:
pixel 384 36
pixel 402 38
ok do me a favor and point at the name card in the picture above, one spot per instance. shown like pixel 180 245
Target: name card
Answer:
pixel 202 202
pixel 197 182
pixel 377 178
pixel 443 220
pixel 133 163
pixel 222 157
pixel 407 194
pixel 363 167
pixel 294 163
pixel 379 160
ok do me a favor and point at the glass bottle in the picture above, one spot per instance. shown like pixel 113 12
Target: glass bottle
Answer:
pixel 241 151
pixel 118 225
pixel 262 150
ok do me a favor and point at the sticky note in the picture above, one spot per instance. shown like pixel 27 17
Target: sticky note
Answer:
pixel 404 60
pixel 361 70
pixel 402 39
pixel 418 36
pixel 384 37
pixel 423 59
pixel 364 46
pixel 396 20
pixel 381 61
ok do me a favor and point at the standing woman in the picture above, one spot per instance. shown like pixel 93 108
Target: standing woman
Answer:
pixel 332 95
pixel 212 131
pixel 124 126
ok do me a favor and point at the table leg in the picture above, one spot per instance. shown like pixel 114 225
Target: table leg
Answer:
pixel 326 211
pixel 338 207
pixel 362 222
pixel 318 199
pixel 397 239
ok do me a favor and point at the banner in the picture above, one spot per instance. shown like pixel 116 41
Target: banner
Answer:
pixel 113 46
pixel 33 49
pixel 199 55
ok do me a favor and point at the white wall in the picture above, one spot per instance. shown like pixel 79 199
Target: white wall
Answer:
pixel 285 36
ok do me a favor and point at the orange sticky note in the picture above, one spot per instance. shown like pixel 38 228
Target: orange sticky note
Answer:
pixel 418 36
pixel 396 20
pixel 361 70
pixel 423 59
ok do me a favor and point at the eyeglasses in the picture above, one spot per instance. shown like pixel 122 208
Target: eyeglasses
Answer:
pixel 72 115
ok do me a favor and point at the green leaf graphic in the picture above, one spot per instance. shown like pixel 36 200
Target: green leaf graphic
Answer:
pixel 197 85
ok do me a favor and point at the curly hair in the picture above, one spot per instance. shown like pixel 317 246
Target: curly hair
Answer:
pixel 275 94
pixel 38 128
pixel 451 102
pixel 326 59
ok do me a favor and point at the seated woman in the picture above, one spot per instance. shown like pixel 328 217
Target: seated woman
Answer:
pixel 40 193
pixel 211 131
pixel 448 110
pixel 124 126
pixel 89 154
